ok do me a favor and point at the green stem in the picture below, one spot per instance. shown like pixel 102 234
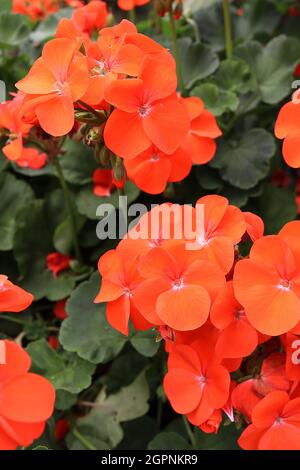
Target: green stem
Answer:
pixel 70 206
pixel 12 320
pixel 90 109
pixel 196 31
pixel 189 431
pixel 159 415
pixel 85 442
pixel 227 26
pixel 132 15
pixel 176 51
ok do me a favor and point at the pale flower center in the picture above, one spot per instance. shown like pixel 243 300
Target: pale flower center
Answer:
pixel 285 285
pixel 178 284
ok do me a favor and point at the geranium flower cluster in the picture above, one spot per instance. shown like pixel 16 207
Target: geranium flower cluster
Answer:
pixel 287 127
pixel 230 323
pixel 37 10
pixel 118 92
pixel 26 399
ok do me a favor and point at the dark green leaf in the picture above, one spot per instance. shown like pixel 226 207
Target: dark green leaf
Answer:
pixel 272 65
pixel 13 29
pixel 86 330
pixel 65 370
pixel 14 194
pixel 168 441
pixel 243 163
pixel 197 61
pixel 277 206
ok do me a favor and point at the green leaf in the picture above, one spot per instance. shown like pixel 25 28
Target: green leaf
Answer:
pixel 46 29
pixel 144 342
pixel 216 100
pixel 134 439
pixel 32 244
pixel 197 61
pixel 99 429
pixel 235 75
pixel 277 206
pixel 124 369
pixel 225 439
pixel 130 402
pixel 243 163
pixel 211 25
pixel 168 441
pixel 87 202
pixel 64 400
pixel 40 448
pixel 63 235
pixel 208 178
pixel 13 29
pixel 258 17
pixel 14 194
pixel 78 163
pixel 86 330
pixel 272 65
pixel 66 371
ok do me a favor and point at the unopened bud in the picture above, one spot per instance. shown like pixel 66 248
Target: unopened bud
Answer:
pixel 119 177
pixel 94 135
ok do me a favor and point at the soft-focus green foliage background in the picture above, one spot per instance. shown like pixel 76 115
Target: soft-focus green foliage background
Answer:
pixel 109 386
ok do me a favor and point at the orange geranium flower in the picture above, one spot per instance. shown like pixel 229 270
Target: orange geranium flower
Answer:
pixel 32 158
pixel 177 290
pixel 120 280
pixel 59 309
pixel 254 225
pixel 223 227
pixel 56 80
pixel 287 127
pixel 108 59
pixel 12 121
pixel 57 262
pixel 200 143
pixel 131 4
pixel 90 17
pixel 212 424
pixel 275 424
pixel 13 298
pixel 35 9
pixel 147 111
pixel 26 399
pixel 195 384
pixel 268 286
pixel 103 181
pixel 153 169
pixel 237 337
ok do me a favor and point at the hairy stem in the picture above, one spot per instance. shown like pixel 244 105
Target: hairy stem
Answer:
pixel 176 50
pixel 227 26
pixel 70 207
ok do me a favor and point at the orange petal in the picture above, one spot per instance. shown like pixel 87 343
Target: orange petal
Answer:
pixel 57 55
pixel 166 125
pixel 158 74
pixel 117 314
pixel 124 134
pixel 183 389
pixel 125 94
pixel 290 149
pixel 39 80
pixel 200 149
pixel 27 399
pixel 288 120
pixel 56 116
pixel 181 165
pixel 184 309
